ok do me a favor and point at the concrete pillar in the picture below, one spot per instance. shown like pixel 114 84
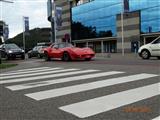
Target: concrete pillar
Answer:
pixel 144 40
pixel 102 47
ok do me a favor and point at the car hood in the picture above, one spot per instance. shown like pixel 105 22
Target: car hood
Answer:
pixel 30 51
pixel 15 50
pixel 145 46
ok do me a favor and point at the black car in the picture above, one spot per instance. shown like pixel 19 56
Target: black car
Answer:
pixel 37 51
pixel 9 51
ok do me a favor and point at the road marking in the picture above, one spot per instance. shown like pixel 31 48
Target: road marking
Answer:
pixel 157 118
pixel 27 72
pixel 46 76
pixel 84 87
pixel 61 80
pixel 40 73
pixel 103 104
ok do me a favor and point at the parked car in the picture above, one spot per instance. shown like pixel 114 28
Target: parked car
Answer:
pixel 37 51
pixel 9 51
pixel 67 51
pixel 150 50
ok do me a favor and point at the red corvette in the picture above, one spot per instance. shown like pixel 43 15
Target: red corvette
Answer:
pixel 67 52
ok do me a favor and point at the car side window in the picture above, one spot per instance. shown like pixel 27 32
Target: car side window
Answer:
pixel 157 41
pixel 3 46
pixel 52 46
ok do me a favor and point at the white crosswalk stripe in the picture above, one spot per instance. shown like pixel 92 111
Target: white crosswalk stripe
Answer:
pixel 89 107
pixel 62 80
pixel 84 87
pixel 103 104
pixel 46 76
pixel 56 70
pixel 24 70
pixel 157 118
pixel 27 72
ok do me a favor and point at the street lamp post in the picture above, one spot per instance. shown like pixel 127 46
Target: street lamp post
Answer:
pixel 51 9
pixel 53 25
pixel 70 4
pixel 122 27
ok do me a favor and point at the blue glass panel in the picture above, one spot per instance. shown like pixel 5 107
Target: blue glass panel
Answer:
pixel 150 13
pixel 102 14
pixel 154 24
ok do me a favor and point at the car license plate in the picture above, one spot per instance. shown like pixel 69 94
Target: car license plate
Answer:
pixel 18 55
pixel 87 56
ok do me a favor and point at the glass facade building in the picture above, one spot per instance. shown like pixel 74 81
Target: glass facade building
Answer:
pixel 98 18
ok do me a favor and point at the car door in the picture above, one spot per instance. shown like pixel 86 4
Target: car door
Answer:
pixel 34 51
pixel 155 47
pixel 55 52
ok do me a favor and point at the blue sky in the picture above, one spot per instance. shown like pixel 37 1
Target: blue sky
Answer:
pixel 12 14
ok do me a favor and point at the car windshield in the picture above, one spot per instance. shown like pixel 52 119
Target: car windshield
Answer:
pixel 44 46
pixel 156 41
pixel 63 45
pixel 11 46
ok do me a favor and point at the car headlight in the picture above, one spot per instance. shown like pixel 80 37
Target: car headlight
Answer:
pixel 10 51
pixel 22 50
pixel 139 50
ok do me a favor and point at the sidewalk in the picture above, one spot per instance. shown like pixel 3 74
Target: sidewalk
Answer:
pixel 132 56
pixel 127 59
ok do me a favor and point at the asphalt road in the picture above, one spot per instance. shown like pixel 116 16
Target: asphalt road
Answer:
pixel 106 88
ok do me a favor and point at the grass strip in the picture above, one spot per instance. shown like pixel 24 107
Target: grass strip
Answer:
pixel 6 65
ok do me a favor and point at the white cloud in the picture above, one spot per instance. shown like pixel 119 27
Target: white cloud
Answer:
pixel 36 10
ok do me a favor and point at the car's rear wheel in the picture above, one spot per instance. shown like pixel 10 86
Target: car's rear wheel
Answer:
pixel 66 56
pixel 46 56
pixel 29 56
pixel 145 54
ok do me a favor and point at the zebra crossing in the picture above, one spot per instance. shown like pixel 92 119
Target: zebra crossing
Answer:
pixel 46 76
pixel 157 118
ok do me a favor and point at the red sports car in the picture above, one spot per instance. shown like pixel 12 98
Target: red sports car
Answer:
pixel 67 52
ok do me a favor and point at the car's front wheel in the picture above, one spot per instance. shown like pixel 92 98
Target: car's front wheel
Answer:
pixel 145 54
pixel 46 56
pixel 66 56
